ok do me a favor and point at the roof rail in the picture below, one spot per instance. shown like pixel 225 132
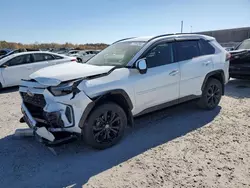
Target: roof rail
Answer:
pixel 164 35
pixel 123 39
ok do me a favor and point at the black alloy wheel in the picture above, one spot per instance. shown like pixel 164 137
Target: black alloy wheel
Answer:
pixel 213 95
pixel 105 126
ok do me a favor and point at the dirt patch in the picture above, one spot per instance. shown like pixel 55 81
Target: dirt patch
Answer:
pixel 181 146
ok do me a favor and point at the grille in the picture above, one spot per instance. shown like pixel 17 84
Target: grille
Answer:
pixel 36 100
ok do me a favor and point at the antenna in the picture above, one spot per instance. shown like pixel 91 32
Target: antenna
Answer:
pixel 181 26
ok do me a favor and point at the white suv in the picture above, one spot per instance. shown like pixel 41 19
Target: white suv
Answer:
pixel 131 77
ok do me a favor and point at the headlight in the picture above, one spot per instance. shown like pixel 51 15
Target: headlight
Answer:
pixel 65 88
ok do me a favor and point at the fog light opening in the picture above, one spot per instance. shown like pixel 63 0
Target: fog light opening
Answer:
pixel 69 114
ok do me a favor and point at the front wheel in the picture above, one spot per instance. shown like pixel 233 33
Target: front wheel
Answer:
pixel 211 94
pixel 105 126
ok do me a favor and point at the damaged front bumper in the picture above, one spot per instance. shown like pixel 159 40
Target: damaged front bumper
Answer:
pixel 54 137
pixel 54 120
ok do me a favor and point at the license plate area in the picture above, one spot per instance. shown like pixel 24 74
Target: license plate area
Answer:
pixel 27 117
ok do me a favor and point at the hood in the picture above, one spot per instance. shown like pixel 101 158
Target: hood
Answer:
pixel 54 75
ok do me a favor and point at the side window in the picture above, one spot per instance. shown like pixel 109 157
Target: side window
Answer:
pixel 160 55
pixel 206 48
pixel 48 57
pixel 2 52
pixel 42 57
pixel 187 50
pixel 19 60
pixel 57 57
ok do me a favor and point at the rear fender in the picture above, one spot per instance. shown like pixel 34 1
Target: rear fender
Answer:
pixel 217 74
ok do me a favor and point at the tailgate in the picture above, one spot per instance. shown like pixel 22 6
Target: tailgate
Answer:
pixel 240 57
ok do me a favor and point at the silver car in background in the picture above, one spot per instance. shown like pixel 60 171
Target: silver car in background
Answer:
pixel 84 55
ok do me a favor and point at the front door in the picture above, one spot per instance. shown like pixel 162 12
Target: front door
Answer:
pixel 17 68
pixel 161 82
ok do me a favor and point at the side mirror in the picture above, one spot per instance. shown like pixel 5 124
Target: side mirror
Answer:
pixel 141 65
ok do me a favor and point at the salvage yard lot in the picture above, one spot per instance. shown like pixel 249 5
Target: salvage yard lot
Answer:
pixel 181 146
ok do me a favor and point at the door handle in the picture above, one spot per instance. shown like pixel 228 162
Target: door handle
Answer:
pixel 174 72
pixel 29 68
pixel 207 63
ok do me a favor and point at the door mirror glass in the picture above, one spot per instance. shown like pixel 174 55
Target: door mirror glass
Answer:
pixel 141 65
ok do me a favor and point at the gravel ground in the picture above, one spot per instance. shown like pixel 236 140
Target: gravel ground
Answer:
pixel 181 146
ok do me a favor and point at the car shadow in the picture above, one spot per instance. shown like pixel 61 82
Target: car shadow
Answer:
pixel 238 89
pixel 27 163
pixel 8 90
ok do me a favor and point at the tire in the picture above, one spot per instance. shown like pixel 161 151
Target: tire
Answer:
pixel 99 132
pixel 79 60
pixel 211 95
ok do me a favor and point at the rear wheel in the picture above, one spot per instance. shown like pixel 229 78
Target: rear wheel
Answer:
pixel 79 60
pixel 211 94
pixel 105 126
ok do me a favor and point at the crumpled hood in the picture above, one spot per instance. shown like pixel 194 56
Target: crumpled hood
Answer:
pixel 54 75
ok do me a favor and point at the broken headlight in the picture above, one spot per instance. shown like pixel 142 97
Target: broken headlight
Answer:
pixel 65 88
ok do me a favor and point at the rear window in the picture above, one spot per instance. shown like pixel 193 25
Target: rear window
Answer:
pixel 43 57
pixel 2 52
pixel 57 57
pixel 206 48
pixel 244 45
pixel 187 50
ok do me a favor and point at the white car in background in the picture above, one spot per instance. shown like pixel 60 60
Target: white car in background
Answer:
pixel 85 55
pixel 19 66
pixel 72 52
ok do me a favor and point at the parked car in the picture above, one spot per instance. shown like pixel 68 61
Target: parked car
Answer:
pixel 240 61
pixel 83 56
pixel 100 98
pixel 18 51
pixel 229 48
pixel 19 66
pixel 72 52
pixel 4 51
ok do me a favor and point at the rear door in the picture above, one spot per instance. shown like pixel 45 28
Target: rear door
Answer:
pixel 194 65
pixel 42 60
pixel 17 68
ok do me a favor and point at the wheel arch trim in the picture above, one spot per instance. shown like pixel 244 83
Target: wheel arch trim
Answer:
pixel 98 99
pixel 213 74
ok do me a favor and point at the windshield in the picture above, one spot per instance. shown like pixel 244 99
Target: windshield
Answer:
pixel 244 45
pixel 118 54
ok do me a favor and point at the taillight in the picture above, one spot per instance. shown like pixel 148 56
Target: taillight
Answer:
pixel 228 56
pixel 73 60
